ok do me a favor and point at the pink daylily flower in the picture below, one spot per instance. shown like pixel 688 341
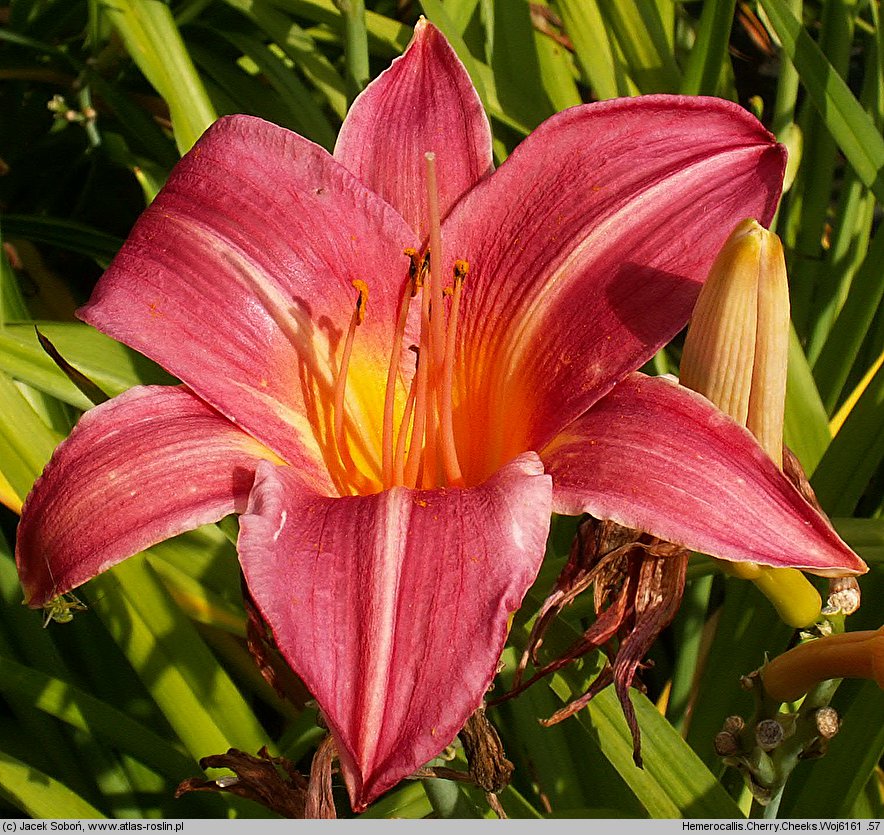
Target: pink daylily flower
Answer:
pixel 394 503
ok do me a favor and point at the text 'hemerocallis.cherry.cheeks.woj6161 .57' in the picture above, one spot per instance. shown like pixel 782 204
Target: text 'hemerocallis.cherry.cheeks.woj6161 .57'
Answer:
pixel 397 363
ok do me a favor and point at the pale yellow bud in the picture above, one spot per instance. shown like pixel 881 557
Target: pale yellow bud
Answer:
pixel 736 353
pixel 737 347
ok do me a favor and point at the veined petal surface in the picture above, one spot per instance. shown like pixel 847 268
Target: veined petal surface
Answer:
pixel 237 279
pixel 152 463
pixel 393 607
pixel 658 457
pixel 587 249
pixel 423 102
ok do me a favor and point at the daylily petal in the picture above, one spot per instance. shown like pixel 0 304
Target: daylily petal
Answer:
pixel 587 249
pixel 393 608
pixel 658 457
pixel 152 463
pixel 237 279
pixel 423 102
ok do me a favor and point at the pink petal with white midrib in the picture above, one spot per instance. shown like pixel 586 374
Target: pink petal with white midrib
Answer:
pixel 423 102
pixel 587 249
pixel 237 279
pixel 152 463
pixel 658 457
pixel 393 607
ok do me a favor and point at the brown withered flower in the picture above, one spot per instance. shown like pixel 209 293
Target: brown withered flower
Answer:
pixel 638 582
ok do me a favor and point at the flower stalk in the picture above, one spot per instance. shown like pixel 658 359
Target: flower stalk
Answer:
pixel 767 748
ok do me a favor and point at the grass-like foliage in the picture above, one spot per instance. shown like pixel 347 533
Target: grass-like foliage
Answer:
pixel 104 712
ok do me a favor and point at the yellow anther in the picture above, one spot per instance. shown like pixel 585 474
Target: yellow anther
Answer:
pixel 361 300
pixel 461 268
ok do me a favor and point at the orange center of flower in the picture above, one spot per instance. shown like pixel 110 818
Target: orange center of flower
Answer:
pixel 419 449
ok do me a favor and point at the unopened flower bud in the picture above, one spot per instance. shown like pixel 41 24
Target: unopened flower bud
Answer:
pixel 848 655
pixel 736 354
pixel 737 348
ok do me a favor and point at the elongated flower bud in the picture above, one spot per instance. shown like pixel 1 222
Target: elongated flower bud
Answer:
pixel 736 354
pixel 737 347
pixel 848 655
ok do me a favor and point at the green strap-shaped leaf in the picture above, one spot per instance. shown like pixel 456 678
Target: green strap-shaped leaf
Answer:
pixel 196 695
pixel 865 536
pixel 83 711
pixel 386 37
pixel 38 794
pixel 26 443
pixel 597 55
pixel 109 364
pixel 647 46
pixel 516 64
pixel 806 429
pixel 843 115
pixel 65 234
pixel 155 44
pixel 842 347
pixel 709 54
pixel 854 454
pixel 355 45
pixel 558 73
pixel 674 782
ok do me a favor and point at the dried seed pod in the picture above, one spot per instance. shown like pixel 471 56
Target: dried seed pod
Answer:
pixel 769 734
pixel 844 596
pixel 734 725
pixel 726 744
pixel 827 721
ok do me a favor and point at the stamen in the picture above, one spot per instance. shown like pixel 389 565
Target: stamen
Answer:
pixel 450 462
pixel 422 395
pixel 387 455
pixel 356 319
pixel 399 458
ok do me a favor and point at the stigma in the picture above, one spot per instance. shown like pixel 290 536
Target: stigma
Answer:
pixel 418 446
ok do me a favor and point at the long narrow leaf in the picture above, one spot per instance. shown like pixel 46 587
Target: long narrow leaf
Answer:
pixel 154 42
pixel 710 51
pixel 854 454
pixel 40 795
pixel 848 123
